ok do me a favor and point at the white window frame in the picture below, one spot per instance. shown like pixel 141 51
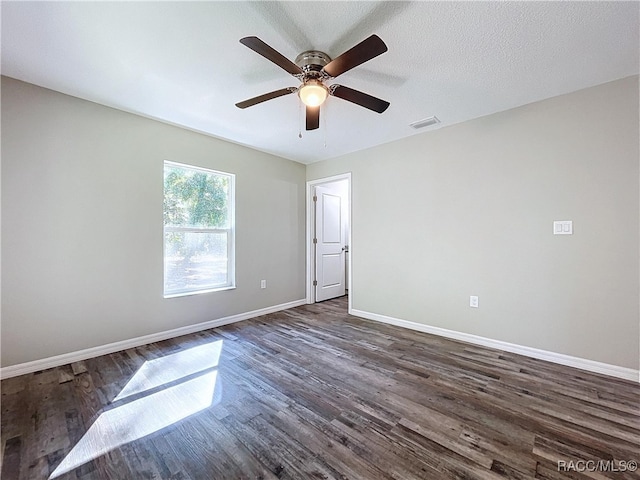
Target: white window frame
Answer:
pixel 230 232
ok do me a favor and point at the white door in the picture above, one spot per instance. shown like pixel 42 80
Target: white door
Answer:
pixel 330 241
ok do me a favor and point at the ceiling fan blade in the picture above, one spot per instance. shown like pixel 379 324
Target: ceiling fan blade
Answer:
pixel 267 96
pixel 258 46
pixel 313 118
pixel 362 52
pixel 359 98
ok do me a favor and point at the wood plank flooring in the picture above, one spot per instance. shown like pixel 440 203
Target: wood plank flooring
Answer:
pixel 313 393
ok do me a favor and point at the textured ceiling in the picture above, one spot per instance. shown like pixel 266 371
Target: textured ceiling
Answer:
pixel 181 62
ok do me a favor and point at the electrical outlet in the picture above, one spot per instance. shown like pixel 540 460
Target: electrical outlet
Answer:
pixel 263 284
pixel 473 301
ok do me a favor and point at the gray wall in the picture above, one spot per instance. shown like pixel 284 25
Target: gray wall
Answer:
pixel 82 225
pixel 468 210
pixel 464 210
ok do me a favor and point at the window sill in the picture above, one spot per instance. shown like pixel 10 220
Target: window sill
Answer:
pixel 199 292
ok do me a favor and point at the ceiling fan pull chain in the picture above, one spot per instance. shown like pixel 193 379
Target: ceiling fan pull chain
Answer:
pixel 300 106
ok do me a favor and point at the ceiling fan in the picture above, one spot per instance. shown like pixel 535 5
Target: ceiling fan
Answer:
pixel 314 69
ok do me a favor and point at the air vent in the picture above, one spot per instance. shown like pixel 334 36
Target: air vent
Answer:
pixel 425 123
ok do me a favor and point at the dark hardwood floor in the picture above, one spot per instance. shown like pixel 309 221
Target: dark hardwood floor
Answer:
pixel 313 393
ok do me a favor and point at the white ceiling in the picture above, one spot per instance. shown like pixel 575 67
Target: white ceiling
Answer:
pixel 181 62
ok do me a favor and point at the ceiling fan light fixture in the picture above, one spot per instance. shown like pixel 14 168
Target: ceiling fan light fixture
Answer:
pixel 313 93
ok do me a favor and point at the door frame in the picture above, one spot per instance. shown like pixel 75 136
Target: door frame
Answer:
pixel 310 272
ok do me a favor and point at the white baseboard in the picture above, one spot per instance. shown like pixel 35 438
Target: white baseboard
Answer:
pixel 562 359
pixel 58 360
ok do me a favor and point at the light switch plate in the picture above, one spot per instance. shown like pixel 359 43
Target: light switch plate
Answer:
pixel 473 301
pixel 563 227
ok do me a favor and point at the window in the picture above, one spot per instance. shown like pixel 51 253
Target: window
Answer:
pixel 198 230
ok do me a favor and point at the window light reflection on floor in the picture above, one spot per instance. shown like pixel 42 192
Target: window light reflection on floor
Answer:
pixel 151 413
pixel 167 369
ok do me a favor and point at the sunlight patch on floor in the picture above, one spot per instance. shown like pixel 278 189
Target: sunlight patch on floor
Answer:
pixel 149 414
pixel 163 370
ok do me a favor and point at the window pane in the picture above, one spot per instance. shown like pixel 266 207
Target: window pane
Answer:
pixel 195 198
pixel 195 261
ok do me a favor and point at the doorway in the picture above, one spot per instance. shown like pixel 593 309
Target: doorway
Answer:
pixel 329 238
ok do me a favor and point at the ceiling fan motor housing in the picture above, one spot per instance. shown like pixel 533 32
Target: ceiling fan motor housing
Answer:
pixel 311 62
